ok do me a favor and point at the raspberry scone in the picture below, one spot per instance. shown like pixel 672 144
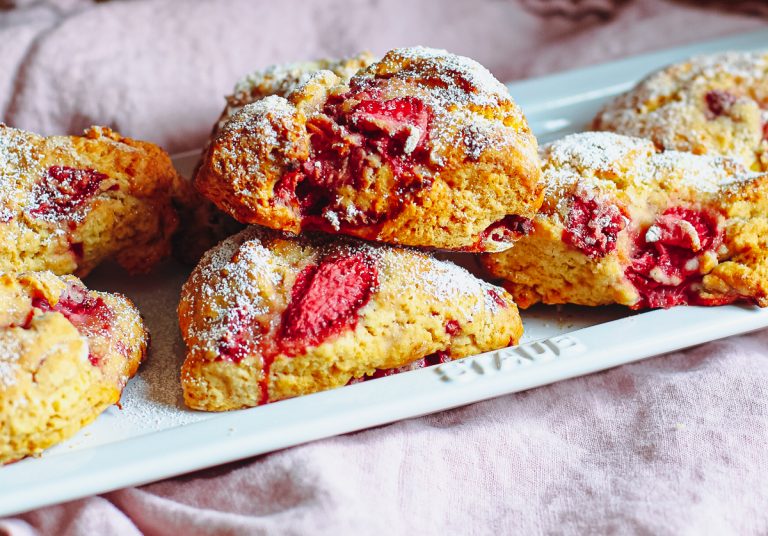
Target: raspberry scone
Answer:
pixel 284 79
pixel 422 148
pixel 623 223
pixel 69 202
pixel 716 104
pixel 267 316
pixel 65 355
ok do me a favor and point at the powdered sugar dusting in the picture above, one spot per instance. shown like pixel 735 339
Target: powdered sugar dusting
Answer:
pixel 10 350
pixel 284 79
pixel 686 105
pixel 591 157
pixel 595 150
pixel 448 283
pixel 709 174
pixel 749 66
pixel 479 85
pixel 258 117
pixel 260 121
pixel 228 278
pixel 456 88
pixel 593 160
pixel 681 80
pixel 17 164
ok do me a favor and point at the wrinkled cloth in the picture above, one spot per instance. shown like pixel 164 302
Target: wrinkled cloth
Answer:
pixel 670 445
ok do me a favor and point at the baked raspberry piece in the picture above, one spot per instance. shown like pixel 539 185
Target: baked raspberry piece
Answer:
pixel 592 226
pixel 667 259
pixel 714 104
pixel 420 148
pixel 624 223
pixel 68 203
pixel 266 316
pixel 63 190
pixel 65 355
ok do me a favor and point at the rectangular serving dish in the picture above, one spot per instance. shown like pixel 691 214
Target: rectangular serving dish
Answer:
pixel 154 436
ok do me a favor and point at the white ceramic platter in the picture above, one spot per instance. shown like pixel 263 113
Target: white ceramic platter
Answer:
pixel 153 436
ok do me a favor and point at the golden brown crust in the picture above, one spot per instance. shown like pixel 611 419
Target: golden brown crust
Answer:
pixel 65 356
pixel 420 148
pixel 233 315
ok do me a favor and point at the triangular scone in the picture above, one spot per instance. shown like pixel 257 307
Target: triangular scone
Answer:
pixel 65 355
pixel 421 148
pixel 266 316
pixel 713 104
pixel 623 223
pixel 69 202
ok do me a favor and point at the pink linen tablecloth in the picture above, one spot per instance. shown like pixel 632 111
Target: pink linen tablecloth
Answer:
pixel 671 445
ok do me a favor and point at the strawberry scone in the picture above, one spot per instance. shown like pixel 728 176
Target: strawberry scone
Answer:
pixel 65 355
pixel 715 104
pixel 69 202
pixel 624 223
pixel 421 148
pixel 267 316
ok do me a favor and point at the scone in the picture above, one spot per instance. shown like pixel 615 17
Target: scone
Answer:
pixel 716 104
pixel 65 355
pixel 284 79
pixel 267 316
pixel 421 148
pixel 68 202
pixel 624 223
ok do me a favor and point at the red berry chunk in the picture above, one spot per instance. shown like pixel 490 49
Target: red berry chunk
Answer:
pixel 507 229
pixel 665 267
pixel 343 142
pixel 684 228
pixel 325 300
pixel 88 314
pixel 452 327
pixel 397 128
pixel 719 102
pixel 497 299
pixel 63 190
pixel 236 343
pixel 593 227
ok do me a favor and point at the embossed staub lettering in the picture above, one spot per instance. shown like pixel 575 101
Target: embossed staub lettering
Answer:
pixel 509 359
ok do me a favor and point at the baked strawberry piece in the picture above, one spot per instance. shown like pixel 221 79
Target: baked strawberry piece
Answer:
pixel 715 104
pixel 421 148
pixel 267 316
pixel 624 223
pixel 65 355
pixel 69 202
